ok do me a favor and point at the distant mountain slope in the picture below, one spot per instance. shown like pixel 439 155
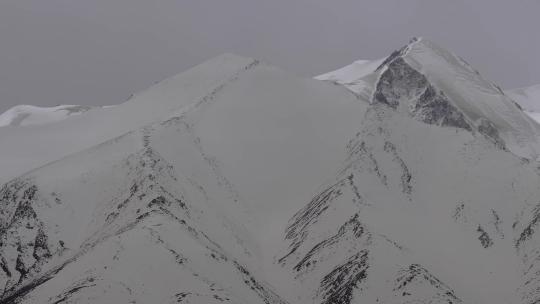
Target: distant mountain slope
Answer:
pixel 412 180
pixel 529 99
pixel 354 76
pixel 69 136
pixel 25 115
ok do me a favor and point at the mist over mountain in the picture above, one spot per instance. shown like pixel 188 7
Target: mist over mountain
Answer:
pixel 409 179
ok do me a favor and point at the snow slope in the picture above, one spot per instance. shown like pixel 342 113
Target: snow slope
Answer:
pixel 237 182
pixel 529 99
pixel 24 115
pixel 64 137
pixel 354 76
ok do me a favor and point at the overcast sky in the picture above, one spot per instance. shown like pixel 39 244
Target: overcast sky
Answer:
pixel 97 52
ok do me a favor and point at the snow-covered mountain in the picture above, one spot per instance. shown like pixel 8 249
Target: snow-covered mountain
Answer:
pixel 410 179
pixel 24 115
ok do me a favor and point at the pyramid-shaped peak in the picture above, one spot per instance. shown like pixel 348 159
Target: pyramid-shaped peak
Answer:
pixel 422 69
pixel 424 51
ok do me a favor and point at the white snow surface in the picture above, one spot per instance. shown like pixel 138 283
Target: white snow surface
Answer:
pixel 56 140
pixel 350 74
pixel 25 115
pixel 404 180
pixel 529 99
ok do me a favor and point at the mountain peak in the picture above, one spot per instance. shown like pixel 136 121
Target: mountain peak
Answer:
pixel 400 52
pixel 438 87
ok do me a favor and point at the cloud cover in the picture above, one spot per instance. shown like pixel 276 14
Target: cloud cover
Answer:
pixel 99 52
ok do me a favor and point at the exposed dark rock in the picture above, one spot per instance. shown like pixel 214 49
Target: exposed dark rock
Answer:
pixel 416 275
pixel 497 223
pixel 484 237
pixel 395 54
pixel 337 287
pixel 66 296
pixel 41 247
pixel 352 227
pixel 268 296
pixel 4 266
pixel 400 83
pixel 458 213
pixel 301 220
pixel 358 149
pixel 529 230
pixel 21 268
pixel 434 108
pixel 406 176
pixel 490 131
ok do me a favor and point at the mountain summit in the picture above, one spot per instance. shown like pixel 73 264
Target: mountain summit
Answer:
pixel 410 179
pixel 443 89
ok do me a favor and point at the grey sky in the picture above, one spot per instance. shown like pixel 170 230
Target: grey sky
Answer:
pixel 100 51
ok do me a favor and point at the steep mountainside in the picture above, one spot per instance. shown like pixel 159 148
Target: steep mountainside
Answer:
pixel 407 180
